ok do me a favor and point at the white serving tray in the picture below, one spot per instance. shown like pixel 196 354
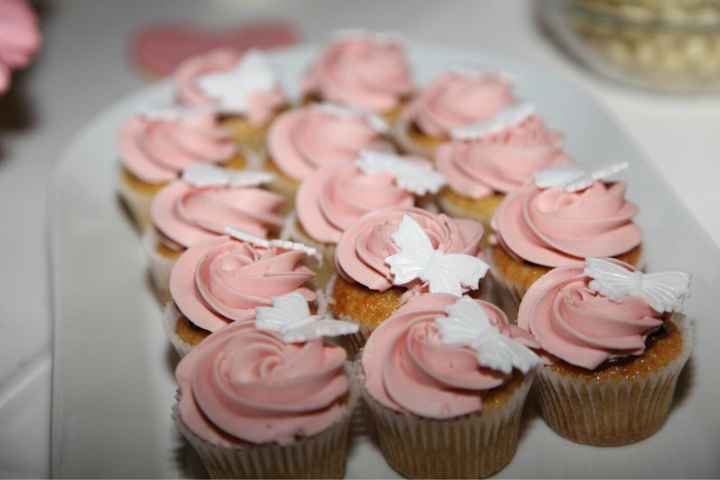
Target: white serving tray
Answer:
pixel 113 384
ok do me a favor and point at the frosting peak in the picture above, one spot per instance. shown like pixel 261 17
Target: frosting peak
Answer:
pixel 223 280
pixel 363 248
pixel 575 323
pixel 409 368
pixel 157 148
pixel 557 228
pixel 502 162
pixel 364 71
pixel 457 99
pixel 303 140
pixel 244 385
pixel 188 215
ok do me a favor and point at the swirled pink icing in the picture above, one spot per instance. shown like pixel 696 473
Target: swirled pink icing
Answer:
pixel 579 325
pixel 335 197
pixel 188 215
pixel 244 385
pixel 503 162
pixel 156 149
pixel 363 248
pixel 261 104
pixel 362 71
pixel 456 99
pixel 555 228
pixel 408 368
pixel 19 38
pixel 223 280
pixel 303 140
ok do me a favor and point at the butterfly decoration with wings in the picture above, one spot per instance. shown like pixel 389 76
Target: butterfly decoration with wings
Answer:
pixel 200 174
pixel 418 260
pixel 417 177
pixel 573 178
pixel 467 324
pixel 290 317
pixel 243 236
pixel 664 291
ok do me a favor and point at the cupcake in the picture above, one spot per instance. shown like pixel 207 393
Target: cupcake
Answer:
pixel 303 140
pixel 453 100
pixel 391 254
pixel 560 224
pixel 614 349
pixel 223 280
pixel 362 70
pixel 334 197
pixel 156 145
pixel 254 404
pixel 445 379
pixel 198 207
pixel 482 171
pixel 242 87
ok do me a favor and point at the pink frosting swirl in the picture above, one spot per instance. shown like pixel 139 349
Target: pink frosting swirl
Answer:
pixel 503 162
pixel 243 385
pixel 458 99
pixel 335 197
pixel 19 38
pixel 580 326
pixel 365 72
pixel 223 280
pixel 303 140
pixel 262 104
pixel 408 368
pixel 157 149
pixel 188 215
pixel 557 228
pixel 363 248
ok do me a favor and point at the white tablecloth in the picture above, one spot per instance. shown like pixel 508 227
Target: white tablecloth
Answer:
pixel 83 69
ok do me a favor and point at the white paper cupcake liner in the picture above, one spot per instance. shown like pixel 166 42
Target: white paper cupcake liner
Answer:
pixel 472 446
pixel 611 412
pixel 137 205
pixel 159 267
pixel 322 455
pixel 170 318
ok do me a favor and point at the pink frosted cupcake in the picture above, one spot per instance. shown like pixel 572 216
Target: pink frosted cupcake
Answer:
pixel 444 402
pixel 453 100
pixel 304 140
pixel 199 207
pixel 334 197
pixel 614 349
pixel 362 70
pixel 19 38
pixel 385 257
pixel 223 280
pixel 559 222
pixel 256 404
pixel 243 88
pixel 156 145
pixel 481 170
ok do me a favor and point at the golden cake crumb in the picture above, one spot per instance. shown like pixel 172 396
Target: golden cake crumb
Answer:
pixel 189 332
pixel 481 209
pixel 367 307
pixel 497 397
pixel 139 185
pixel 426 142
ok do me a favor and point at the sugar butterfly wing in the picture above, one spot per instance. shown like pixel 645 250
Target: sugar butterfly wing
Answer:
pixel 414 251
pixel 502 353
pixel 609 278
pixel 322 327
pixel 285 310
pixel 449 273
pixel 665 291
pixel 465 321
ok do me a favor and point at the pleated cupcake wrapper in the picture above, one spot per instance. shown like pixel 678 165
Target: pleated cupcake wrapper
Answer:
pixel 159 267
pixel 170 318
pixel 611 413
pixel 138 205
pixel 472 446
pixel 322 455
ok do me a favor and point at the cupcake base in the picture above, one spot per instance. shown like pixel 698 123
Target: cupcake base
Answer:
pixel 460 206
pixel 621 404
pixel 181 333
pixel 282 184
pixel 136 197
pixel 160 263
pixel 412 141
pixel 472 446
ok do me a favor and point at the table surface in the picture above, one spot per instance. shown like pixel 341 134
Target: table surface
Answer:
pixel 83 69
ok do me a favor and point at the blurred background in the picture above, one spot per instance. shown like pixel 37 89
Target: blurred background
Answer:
pixel 654 64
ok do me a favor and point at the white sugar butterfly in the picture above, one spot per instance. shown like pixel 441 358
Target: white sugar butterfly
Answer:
pixel 414 176
pixel 510 117
pixel 290 317
pixel 201 174
pixel 573 178
pixel 664 291
pixel 468 325
pixel 243 236
pixel 417 259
